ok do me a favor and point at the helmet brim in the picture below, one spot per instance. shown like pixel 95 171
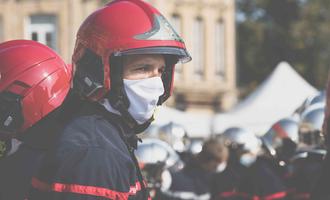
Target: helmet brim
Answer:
pixel 182 55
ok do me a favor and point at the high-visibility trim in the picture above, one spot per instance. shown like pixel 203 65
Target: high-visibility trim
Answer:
pixel 134 189
pixel 277 195
pixel 83 189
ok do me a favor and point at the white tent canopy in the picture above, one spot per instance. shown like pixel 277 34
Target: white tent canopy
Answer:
pixel 277 97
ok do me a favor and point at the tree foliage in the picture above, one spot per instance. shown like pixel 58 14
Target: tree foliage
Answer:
pixel 270 31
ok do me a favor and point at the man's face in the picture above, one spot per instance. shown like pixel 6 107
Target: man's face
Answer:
pixel 143 66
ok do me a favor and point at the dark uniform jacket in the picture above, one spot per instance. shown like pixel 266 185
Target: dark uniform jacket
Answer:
pixel 17 170
pixel 227 183
pixel 190 183
pixel 321 189
pixel 92 160
pixel 307 170
pixel 257 182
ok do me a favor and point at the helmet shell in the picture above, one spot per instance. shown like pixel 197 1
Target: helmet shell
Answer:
pixel 310 128
pixel 34 81
pixel 286 128
pixel 242 138
pixel 175 135
pixel 152 151
pixel 318 98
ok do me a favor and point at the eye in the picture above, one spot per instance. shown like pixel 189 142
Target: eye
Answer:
pixel 141 69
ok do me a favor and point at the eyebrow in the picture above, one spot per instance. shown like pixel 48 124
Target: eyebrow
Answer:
pixel 146 65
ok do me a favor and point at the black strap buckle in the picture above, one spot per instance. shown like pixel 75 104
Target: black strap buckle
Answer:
pixel 11 116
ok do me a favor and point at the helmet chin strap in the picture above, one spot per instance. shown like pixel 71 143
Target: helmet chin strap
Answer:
pixel 131 138
pixel 118 104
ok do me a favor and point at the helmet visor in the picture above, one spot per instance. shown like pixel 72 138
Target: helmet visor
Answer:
pixel 182 55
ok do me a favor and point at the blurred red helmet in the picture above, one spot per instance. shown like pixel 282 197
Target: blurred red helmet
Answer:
pixel 286 128
pixel 34 81
pixel 122 27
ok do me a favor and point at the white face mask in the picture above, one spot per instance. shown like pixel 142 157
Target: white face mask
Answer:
pixel 143 95
pixel 247 159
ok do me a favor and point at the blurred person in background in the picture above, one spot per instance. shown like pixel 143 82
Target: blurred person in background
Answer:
pixel 321 189
pixel 157 159
pixel 177 136
pixel 248 174
pixel 124 61
pixel 280 143
pixel 307 163
pixel 282 139
pixel 34 83
pixel 227 183
pixel 307 167
pixel 195 180
pixel 310 128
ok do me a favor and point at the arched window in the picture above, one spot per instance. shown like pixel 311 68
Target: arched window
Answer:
pixel 198 48
pixel 220 49
pixel 176 23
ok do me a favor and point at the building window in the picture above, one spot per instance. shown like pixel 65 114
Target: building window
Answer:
pixel 176 24
pixel 220 49
pixel 42 28
pixel 198 48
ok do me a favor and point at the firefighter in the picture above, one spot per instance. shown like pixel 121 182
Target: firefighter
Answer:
pixel 307 162
pixel 249 174
pixel 280 143
pixel 195 180
pixel 33 85
pixel 124 61
pixel 156 160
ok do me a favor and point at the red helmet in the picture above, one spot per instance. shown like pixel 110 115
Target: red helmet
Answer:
pixel 122 27
pixel 34 81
